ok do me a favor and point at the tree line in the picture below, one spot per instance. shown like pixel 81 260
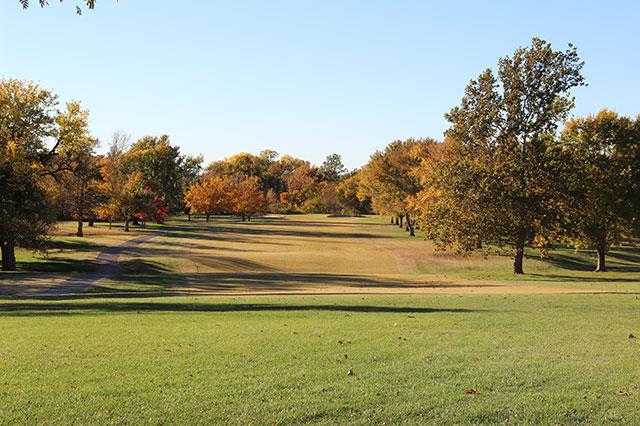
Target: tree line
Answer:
pixel 49 170
pixel 513 170
pixel 246 184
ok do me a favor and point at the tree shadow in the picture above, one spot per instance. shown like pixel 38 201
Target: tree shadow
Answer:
pixel 76 308
pixel 295 222
pixel 219 229
pixel 141 266
pixel 294 233
pixel 598 277
pixel 75 245
pixel 617 261
pixel 265 281
pixel 47 265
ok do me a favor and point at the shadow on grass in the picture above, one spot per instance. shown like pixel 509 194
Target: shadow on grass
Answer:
pixel 597 277
pixel 221 230
pixel 75 308
pixel 141 266
pixel 262 281
pixel 75 245
pixel 47 265
pixel 617 261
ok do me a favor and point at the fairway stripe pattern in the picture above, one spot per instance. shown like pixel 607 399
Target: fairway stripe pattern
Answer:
pixel 107 266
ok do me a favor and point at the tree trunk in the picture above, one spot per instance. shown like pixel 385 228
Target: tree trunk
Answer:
pixel 601 249
pixel 189 217
pixel 91 222
pixel 517 261
pixel 8 256
pixel 126 224
pixel 392 220
pixel 400 218
pixel 207 217
pixel 79 232
pixel 412 232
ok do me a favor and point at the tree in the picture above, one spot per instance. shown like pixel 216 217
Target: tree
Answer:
pixel 247 199
pixel 189 173
pixel 300 186
pixel 161 167
pixel 211 195
pixel 124 191
pixel 388 179
pixel 77 158
pixel 347 195
pixel 26 122
pixel 603 153
pixel 455 215
pixel 332 168
pixel 504 127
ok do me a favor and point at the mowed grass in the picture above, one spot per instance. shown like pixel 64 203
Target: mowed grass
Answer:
pixel 313 253
pixel 426 358
pixel 305 253
pixel 452 339
pixel 66 256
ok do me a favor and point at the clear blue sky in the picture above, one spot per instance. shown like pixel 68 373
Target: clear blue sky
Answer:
pixel 302 77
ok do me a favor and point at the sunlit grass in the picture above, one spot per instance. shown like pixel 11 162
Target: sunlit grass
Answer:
pixel 304 253
pixel 414 358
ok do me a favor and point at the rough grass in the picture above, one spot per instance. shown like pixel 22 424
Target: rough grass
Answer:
pixel 548 359
pixel 306 253
pixel 313 253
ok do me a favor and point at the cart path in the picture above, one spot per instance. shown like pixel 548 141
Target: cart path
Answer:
pixel 107 267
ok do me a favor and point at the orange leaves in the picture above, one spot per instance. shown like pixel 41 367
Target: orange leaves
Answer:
pixel 210 196
pixel 226 194
pixel 248 199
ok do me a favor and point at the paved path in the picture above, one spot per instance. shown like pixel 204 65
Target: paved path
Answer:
pixel 107 267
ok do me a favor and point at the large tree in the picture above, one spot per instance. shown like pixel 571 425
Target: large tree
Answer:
pixel 602 157
pixel 77 158
pixel 211 195
pixel 124 191
pixel 161 166
pixel 26 123
pixel 503 127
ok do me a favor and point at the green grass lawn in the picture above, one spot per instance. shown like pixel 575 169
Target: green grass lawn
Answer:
pixel 451 339
pixel 414 358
